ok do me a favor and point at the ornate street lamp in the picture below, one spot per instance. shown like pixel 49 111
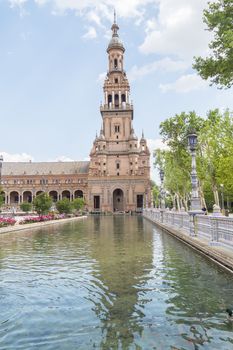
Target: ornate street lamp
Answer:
pixel 195 199
pixel 162 192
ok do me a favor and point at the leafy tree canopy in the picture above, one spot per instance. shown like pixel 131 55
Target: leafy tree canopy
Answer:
pixel 64 206
pixel 78 203
pixel 26 207
pixel 42 203
pixel 219 65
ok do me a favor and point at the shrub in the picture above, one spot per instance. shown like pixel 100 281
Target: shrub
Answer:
pixel 42 203
pixel 78 203
pixel 26 207
pixel 7 222
pixel 64 206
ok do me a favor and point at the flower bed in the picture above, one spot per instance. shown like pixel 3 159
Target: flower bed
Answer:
pixel 41 218
pixel 7 222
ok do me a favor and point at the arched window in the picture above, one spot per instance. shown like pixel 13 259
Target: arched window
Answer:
pixel 116 100
pixel 109 99
pixel 123 98
pixel 115 63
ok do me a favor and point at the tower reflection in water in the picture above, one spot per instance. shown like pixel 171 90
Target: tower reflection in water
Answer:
pixel 124 254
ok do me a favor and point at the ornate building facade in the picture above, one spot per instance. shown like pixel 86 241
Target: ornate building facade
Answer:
pixel 117 177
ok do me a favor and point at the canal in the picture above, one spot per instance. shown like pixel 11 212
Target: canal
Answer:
pixel 110 283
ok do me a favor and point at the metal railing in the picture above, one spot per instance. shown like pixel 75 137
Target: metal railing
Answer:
pixel 217 230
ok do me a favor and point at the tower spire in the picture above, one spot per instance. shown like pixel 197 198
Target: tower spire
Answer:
pixel 114 16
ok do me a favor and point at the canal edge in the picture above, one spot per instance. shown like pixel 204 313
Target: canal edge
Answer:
pixel 199 246
pixel 38 225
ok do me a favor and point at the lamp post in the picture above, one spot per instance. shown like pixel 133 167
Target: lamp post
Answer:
pixel 195 199
pixel 162 193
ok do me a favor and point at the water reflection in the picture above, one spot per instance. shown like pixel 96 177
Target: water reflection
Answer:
pixel 123 262
pixel 110 283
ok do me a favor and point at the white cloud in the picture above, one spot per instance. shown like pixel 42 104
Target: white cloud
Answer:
pixel 100 9
pixel 179 29
pixel 166 64
pixel 153 144
pixel 185 84
pixel 62 159
pixel 101 77
pixel 17 157
pixel 20 5
pixel 90 34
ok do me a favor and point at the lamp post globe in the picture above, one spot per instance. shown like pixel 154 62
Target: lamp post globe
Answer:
pixel 192 140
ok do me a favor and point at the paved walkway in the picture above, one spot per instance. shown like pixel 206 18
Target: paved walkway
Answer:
pixel 220 254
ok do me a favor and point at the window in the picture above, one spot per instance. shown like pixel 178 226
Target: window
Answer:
pixel 115 63
pixel 116 80
pixel 118 165
pixel 118 174
pixel 117 128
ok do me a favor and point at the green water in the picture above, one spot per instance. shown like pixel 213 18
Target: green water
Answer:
pixel 110 283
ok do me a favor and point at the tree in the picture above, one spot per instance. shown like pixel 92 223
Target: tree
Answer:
pixel 42 203
pixel 176 161
pixel 26 206
pixel 1 198
pixel 219 65
pixel 64 206
pixel 214 156
pixel 78 203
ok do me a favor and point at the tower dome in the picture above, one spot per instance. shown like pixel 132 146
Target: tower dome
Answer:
pixel 115 42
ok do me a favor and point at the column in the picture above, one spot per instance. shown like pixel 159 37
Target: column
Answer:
pixel 113 98
pixel 106 97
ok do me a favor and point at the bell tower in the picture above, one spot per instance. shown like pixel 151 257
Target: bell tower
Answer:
pixel 117 110
pixel 118 160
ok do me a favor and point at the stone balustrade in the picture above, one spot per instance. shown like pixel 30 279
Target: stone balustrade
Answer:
pixel 217 230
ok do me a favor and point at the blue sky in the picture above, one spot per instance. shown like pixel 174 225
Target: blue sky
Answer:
pixel 53 59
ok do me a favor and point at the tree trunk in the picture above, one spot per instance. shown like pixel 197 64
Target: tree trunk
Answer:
pixel 178 201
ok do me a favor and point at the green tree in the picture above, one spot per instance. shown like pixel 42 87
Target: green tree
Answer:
pixel 215 162
pixel 176 161
pixel 26 207
pixel 64 206
pixel 1 197
pixel 219 65
pixel 214 156
pixel 42 203
pixel 155 194
pixel 78 203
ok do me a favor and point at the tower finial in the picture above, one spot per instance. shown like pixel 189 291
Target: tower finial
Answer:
pixel 114 16
pixel 142 134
